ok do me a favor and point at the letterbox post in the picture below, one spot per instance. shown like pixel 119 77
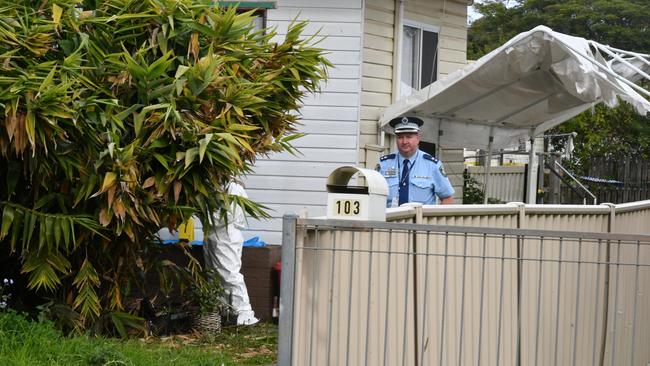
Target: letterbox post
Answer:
pixel 360 202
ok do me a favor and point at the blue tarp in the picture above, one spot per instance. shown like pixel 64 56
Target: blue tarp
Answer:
pixel 254 242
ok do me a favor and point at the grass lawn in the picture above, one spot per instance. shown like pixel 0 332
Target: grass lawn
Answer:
pixel 24 342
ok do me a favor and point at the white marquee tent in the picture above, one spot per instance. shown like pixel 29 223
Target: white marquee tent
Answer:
pixel 532 83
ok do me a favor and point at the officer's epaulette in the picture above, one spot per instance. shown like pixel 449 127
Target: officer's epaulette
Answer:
pixel 431 158
pixel 387 157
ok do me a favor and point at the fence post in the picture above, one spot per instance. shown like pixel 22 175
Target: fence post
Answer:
pixel 541 171
pixel 417 219
pixel 611 221
pixel 287 289
pixel 605 317
pixel 521 214
pixel 555 184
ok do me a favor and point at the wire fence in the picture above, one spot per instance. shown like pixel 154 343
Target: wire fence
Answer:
pixel 374 293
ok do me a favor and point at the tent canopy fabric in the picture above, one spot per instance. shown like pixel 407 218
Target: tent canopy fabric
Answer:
pixel 534 82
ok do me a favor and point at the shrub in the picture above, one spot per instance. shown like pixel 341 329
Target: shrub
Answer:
pixel 121 116
pixel 474 192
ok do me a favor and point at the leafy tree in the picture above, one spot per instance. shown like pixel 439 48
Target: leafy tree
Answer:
pixel 619 23
pixel 121 116
pixel 618 132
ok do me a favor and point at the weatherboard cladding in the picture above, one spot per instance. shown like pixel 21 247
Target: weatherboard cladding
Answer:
pixel 287 183
pixel 343 118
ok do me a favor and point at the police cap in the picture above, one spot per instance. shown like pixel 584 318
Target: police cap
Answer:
pixel 404 124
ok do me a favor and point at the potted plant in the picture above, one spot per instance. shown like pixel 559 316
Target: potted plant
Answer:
pixel 208 304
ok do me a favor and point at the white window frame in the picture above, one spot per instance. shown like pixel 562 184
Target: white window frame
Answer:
pixel 261 10
pixel 422 27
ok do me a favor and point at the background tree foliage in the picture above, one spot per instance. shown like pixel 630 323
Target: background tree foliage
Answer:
pixel 121 116
pixel 623 24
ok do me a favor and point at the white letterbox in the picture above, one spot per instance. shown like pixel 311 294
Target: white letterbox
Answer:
pixel 360 202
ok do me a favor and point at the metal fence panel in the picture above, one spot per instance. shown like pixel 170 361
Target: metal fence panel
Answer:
pixel 588 222
pixel 468 292
pixel 561 293
pixel 350 299
pixel 630 219
pixel 406 294
pixel 506 182
pixel 627 330
pixel 622 218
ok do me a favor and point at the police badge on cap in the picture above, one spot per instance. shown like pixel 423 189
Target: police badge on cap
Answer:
pixel 406 124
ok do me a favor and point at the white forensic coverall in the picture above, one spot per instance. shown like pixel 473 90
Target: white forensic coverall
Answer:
pixel 222 252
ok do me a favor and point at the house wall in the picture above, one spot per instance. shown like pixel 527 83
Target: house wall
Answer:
pixel 377 74
pixel 377 69
pixel 286 183
pixel 341 122
pixel 451 17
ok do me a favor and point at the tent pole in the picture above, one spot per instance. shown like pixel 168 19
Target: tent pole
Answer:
pixel 532 163
pixel 486 170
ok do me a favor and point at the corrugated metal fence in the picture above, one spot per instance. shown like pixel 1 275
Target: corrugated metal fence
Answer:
pixel 374 293
pixel 622 218
pixel 506 182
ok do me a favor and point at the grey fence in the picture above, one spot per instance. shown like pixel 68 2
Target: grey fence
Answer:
pixel 506 182
pixel 627 169
pixel 604 192
pixel 376 293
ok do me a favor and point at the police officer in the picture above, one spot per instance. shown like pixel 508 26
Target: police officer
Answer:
pixel 413 175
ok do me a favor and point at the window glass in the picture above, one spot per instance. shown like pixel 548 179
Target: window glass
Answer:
pixel 429 68
pixel 419 59
pixel 410 55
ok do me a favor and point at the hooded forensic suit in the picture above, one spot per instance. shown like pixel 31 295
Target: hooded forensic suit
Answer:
pixel 222 252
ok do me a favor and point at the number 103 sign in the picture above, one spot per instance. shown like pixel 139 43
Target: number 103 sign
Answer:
pixel 348 206
pixel 365 200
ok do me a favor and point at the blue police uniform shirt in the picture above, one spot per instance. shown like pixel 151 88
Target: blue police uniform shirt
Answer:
pixel 427 178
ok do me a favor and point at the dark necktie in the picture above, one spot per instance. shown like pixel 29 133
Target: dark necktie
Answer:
pixel 404 184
